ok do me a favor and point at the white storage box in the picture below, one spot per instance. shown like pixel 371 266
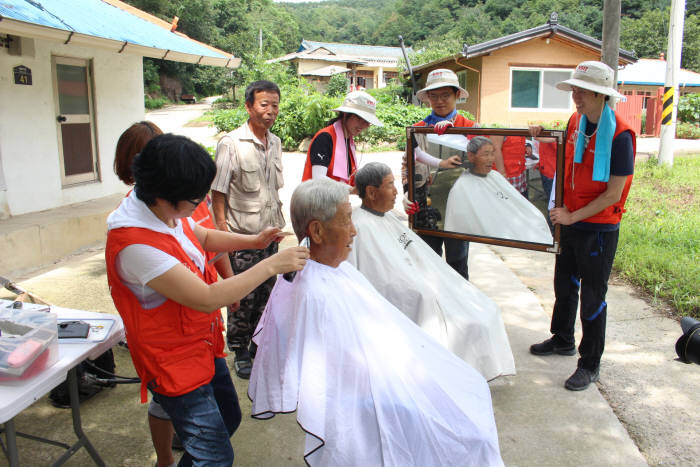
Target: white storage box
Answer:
pixel 28 340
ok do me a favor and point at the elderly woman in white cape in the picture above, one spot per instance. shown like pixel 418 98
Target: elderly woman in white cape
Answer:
pixel 482 202
pixel 369 386
pixel 408 273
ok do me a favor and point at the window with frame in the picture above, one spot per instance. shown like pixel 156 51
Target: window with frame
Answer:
pixel 535 88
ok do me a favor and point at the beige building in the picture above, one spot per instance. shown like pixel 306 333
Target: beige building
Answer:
pixel 366 66
pixel 71 81
pixel 511 79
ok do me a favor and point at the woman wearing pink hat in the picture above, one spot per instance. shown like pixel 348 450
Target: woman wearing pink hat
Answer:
pixel 332 150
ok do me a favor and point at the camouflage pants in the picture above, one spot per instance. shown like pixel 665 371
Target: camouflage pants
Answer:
pixel 241 323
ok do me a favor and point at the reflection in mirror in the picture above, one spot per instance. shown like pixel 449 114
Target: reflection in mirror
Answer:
pixel 476 200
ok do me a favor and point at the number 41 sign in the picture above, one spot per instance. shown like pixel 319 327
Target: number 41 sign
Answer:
pixel 23 75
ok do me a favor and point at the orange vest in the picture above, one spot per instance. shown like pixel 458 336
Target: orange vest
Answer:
pixel 172 347
pixel 584 189
pixel 548 159
pixel 513 151
pixel 307 167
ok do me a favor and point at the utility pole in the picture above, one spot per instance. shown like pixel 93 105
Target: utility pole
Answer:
pixel 260 39
pixel 673 66
pixel 610 53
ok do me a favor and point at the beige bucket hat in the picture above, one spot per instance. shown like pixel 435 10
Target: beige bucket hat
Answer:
pixel 361 104
pixel 441 78
pixel 594 76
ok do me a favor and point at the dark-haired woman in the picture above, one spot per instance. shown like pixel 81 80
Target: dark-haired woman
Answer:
pixel 130 143
pixel 332 150
pixel 169 298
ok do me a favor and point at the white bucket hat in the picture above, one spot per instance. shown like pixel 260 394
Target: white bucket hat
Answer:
pixel 361 104
pixel 594 76
pixel 441 78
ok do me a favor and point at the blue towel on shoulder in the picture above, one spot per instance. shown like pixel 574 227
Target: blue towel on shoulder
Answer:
pixel 603 144
pixel 432 119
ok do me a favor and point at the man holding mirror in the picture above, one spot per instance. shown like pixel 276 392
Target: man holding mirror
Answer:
pixel 441 91
pixel 598 168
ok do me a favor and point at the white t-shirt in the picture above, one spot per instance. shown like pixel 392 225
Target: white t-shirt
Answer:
pixel 138 264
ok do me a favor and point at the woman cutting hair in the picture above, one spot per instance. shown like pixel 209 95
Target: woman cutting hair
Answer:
pixel 168 296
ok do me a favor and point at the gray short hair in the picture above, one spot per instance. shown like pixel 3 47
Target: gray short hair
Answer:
pixel 371 174
pixel 477 142
pixel 315 199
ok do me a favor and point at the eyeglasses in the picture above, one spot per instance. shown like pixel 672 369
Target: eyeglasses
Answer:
pixel 196 201
pixel 443 96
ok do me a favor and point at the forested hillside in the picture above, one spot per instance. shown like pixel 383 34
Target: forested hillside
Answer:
pixel 431 27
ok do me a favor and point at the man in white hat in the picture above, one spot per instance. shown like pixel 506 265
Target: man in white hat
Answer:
pixel 599 163
pixel 332 150
pixel 441 91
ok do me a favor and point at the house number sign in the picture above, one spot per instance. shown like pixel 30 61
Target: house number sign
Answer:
pixel 23 75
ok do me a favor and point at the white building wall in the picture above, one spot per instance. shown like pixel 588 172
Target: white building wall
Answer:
pixel 29 131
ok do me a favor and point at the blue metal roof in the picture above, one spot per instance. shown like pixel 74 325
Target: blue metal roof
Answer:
pixel 100 19
pixel 353 49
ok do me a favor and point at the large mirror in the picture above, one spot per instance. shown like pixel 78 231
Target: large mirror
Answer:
pixel 474 201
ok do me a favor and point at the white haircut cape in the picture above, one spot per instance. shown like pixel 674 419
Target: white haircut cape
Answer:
pixel 408 273
pixel 369 386
pixel 490 206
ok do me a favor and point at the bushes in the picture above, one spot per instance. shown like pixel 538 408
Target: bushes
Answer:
pixel 154 103
pixel 303 112
pixel 337 85
pixel 689 108
pixel 687 130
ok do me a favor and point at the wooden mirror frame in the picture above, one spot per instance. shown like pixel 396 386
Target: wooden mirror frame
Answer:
pixel 560 137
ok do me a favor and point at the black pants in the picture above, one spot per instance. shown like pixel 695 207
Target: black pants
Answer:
pixel 242 323
pixel 583 265
pixel 456 252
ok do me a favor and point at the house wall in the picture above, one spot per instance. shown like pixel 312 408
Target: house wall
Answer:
pixel 495 87
pixel 29 131
pixel 306 66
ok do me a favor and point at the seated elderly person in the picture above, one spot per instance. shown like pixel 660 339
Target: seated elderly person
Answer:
pixel 482 202
pixel 369 386
pixel 408 273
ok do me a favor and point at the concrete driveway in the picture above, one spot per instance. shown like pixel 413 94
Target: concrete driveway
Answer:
pixel 645 400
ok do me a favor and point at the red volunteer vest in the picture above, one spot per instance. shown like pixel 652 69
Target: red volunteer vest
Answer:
pixel 584 189
pixel 513 151
pixel 172 347
pixel 548 159
pixel 307 167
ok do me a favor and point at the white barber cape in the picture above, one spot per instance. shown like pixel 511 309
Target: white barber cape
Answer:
pixel 490 206
pixel 369 386
pixel 408 273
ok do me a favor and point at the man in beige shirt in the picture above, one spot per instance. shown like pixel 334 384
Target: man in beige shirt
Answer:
pixel 245 199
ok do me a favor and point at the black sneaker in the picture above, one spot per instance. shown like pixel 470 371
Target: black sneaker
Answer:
pixel 242 363
pixel 550 346
pixel 581 379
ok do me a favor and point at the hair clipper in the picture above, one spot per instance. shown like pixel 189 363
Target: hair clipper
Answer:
pixel 289 276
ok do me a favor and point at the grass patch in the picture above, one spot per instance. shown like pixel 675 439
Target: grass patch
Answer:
pixel 660 232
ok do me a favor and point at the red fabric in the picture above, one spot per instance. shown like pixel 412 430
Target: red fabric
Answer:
pixel 513 151
pixel 460 121
pixel 172 347
pixel 548 159
pixel 585 189
pixel 202 216
pixel 307 167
